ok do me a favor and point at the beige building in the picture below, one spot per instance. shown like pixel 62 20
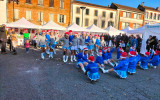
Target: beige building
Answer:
pixel 152 15
pixel 3 10
pixel 101 16
pixel 128 16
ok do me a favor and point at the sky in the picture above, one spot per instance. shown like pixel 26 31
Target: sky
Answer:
pixel 131 3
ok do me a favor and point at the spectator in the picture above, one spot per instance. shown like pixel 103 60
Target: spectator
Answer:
pixel 118 39
pixel 122 44
pixel 158 45
pixel 3 39
pixel 26 36
pixel 14 41
pixel 35 39
pixel 153 42
pixel 113 39
pixel 148 43
pixel 125 39
pixel 139 42
pixel 108 38
pixel 9 39
pixel 134 42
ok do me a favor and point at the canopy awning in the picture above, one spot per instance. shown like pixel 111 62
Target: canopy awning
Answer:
pixel 113 31
pixel 77 28
pixel 94 28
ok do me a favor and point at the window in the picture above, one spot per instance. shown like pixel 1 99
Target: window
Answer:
pixel 28 1
pixel 86 22
pixel 103 24
pixel 40 16
pixel 104 14
pixel 111 15
pixel 110 23
pixel 134 26
pixel 138 25
pixel 78 10
pixel 128 15
pixel 51 3
pixel 159 17
pixel 95 22
pixel 87 11
pixel 146 15
pixel 77 20
pixel 123 25
pixel 96 13
pixel 155 16
pixel 61 18
pixel 28 15
pixel 127 24
pixel 40 2
pixel 62 4
pixel 139 16
pixel 16 13
pixel 124 14
pixel 151 16
pixel 135 16
pixel 51 17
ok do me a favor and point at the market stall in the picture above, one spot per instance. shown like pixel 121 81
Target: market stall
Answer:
pixel 113 31
pixel 127 29
pixel 76 28
pixel 94 29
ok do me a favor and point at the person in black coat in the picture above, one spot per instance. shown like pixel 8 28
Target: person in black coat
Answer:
pixel 3 39
pixel 148 43
pixel 118 39
pixel 139 43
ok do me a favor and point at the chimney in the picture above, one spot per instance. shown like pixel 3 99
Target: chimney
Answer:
pixel 142 4
pixel 157 8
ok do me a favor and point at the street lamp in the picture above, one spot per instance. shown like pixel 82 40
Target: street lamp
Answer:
pixel 17 1
pixel 82 14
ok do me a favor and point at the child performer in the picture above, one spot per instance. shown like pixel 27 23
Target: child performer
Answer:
pixel 98 43
pixel 27 46
pixel 144 60
pixel 119 52
pixel 47 41
pixel 100 62
pixel 65 47
pixel 82 59
pixel 56 34
pixel 105 55
pixel 52 45
pixel 110 60
pixel 74 47
pixel 82 42
pixel 92 69
pixel 42 43
pixel 90 45
pixel 121 68
pixel 103 43
pixel 155 60
pixel 70 38
pixel 133 60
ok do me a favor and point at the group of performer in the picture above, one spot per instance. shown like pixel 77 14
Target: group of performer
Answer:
pixel 85 47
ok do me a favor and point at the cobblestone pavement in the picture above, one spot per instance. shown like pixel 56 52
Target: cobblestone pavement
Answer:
pixel 26 77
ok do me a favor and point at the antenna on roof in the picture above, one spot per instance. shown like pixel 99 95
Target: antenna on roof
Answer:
pixel 142 4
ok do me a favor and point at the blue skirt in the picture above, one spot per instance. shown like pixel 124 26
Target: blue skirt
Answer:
pixel 67 48
pixel 90 47
pixel 144 66
pixel 131 71
pixel 79 63
pixel 122 74
pixel 93 76
pixel 42 46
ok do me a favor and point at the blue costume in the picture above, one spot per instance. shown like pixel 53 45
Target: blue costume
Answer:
pixel 86 39
pixel 48 39
pixel 154 61
pixel 98 43
pixel 70 38
pixel 133 63
pixel 144 61
pixel 81 58
pixel 99 60
pixel 118 53
pixel 121 68
pixel 105 56
pixel 110 53
pixel 92 69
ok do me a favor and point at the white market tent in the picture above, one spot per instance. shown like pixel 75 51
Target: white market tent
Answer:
pixel 94 28
pixel 52 25
pixel 113 31
pixel 22 23
pixel 127 29
pixel 140 30
pixel 77 28
pixel 153 30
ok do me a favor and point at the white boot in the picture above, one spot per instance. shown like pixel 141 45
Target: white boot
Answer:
pixel 71 58
pixel 111 64
pixel 51 55
pixel 75 58
pixel 42 56
pixel 155 67
pixel 106 71
pixel 47 51
pixel 54 51
pixel 103 70
pixel 64 58
pixel 84 70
